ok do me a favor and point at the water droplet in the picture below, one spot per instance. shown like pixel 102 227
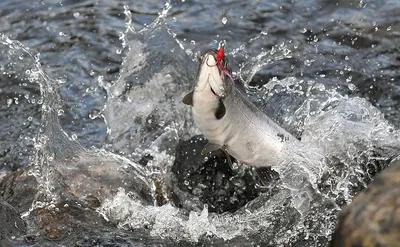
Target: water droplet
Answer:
pixel 168 76
pixel 118 51
pixel 74 137
pixel 173 19
pixel 30 118
pixel 307 62
pixel 9 102
pixel 352 87
pixel 349 80
pixel 224 20
pixel 62 80
pixel 62 34
pixel 60 112
pixel 192 42
pixel 76 14
pixel 389 28
pixel 95 114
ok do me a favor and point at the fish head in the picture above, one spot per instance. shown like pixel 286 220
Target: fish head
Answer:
pixel 211 77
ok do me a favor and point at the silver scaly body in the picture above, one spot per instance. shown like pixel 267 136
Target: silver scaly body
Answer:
pixel 231 122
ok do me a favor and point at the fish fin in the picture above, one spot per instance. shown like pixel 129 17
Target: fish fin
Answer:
pixel 209 147
pixel 239 85
pixel 188 99
pixel 221 110
pixel 266 175
pixel 228 158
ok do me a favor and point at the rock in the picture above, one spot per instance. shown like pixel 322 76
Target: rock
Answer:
pixel 373 218
pixel 208 180
pixel 19 189
pixel 12 226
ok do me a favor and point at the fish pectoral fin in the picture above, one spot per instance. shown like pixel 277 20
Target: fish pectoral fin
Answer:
pixel 266 175
pixel 209 147
pixel 221 110
pixel 228 158
pixel 188 99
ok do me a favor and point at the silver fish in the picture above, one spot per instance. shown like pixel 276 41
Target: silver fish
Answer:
pixel 225 116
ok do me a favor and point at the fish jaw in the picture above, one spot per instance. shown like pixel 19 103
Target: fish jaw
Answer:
pixel 210 77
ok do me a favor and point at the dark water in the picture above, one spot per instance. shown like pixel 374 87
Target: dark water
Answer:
pixel 117 92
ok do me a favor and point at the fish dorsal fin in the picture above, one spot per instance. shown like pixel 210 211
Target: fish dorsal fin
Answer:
pixel 209 147
pixel 188 99
pixel 239 85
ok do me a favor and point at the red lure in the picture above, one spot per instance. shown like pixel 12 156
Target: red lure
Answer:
pixel 220 56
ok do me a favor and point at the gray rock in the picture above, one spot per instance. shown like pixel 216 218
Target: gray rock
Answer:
pixel 373 218
pixel 12 226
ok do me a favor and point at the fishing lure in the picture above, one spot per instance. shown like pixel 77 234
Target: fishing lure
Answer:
pixel 220 57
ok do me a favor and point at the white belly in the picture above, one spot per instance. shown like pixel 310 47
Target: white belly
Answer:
pixel 248 135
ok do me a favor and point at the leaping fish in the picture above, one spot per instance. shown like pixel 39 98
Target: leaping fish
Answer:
pixel 229 121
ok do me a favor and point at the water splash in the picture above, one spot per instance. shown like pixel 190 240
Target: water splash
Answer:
pixel 336 141
pixel 51 140
pixel 146 120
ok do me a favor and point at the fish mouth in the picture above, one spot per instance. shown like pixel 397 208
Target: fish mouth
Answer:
pixel 210 58
pixel 210 77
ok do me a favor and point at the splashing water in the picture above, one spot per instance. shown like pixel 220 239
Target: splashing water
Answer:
pixel 339 137
pixel 345 139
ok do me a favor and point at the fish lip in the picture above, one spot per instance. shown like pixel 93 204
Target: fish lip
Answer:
pixel 218 89
pixel 214 54
pixel 211 52
pixel 208 53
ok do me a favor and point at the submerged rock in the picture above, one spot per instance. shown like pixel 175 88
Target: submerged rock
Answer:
pixel 373 218
pixel 208 180
pixel 12 225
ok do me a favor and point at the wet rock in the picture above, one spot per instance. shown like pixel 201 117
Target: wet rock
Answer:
pixel 18 189
pixel 12 225
pixel 94 176
pixel 209 179
pixel 373 218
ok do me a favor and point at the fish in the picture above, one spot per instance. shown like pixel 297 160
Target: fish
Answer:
pixel 230 121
